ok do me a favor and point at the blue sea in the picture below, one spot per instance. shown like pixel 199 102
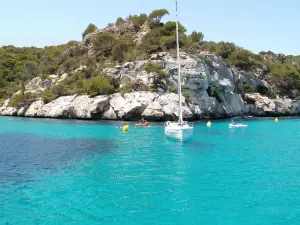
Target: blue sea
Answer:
pixel 79 172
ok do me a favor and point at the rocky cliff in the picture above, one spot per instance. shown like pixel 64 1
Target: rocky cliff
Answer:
pixel 211 90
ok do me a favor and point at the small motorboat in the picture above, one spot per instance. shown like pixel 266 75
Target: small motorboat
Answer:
pixel 237 122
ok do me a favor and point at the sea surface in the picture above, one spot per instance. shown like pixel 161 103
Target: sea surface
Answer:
pixel 78 172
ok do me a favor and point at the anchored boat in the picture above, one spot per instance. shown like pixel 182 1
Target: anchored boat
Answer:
pixel 180 130
pixel 237 122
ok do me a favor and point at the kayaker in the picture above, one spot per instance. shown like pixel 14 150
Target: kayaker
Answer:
pixel 142 121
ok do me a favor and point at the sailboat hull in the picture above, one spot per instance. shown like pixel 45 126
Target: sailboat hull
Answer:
pixel 178 132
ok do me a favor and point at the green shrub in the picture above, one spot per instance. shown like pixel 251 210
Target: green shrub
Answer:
pixel 48 96
pixel 90 28
pixel 61 89
pixel 103 43
pixel 134 85
pixel 138 20
pixel 197 37
pixel 70 65
pixel 130 55
pixel 120 21
pixel 243 88
pixel 121 49
pixel 21 100
pixel 153 67
pixel 295 93
pixel 214 91
pixel 225 49
pixel 187 96
pixel 244 60
pixel 99 85
pixel 158 14
pixel 158 70
pixel 207 60
pixel 49 69
pixel 173 90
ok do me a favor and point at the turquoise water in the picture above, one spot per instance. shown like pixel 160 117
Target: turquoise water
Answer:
pixel 77 172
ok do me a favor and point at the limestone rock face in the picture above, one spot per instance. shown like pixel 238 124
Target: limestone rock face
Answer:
pixel 153 112
pixel 134 104
pixel 200 74
pixel 264 106
pixel 81 107
pixel 170 107
pixel 6 110
pixel 34 108
pixel 38 85
pixel 109 114
pixel 85 107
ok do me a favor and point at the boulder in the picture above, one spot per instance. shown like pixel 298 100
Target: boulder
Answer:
pixel 117 102
pixel 109 114
pixel 153 112
pixel 6 110
pixel 21 111
pixel 132 105
pixel 261 102
pixel 195 109
pixel 283 106
pixel 59 108
pixel 170 107
pixel 278 106
pixel 85 107
pixel 131 111
pixel 295 108
pixel 33 109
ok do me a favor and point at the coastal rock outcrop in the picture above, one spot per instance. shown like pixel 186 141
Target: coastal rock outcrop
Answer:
pixel 169 103
pixel 210 90
pixel 154 112
pixel 263 106
pixel 33 109
pixel 37 85
pixel 154 107
pixel 7 110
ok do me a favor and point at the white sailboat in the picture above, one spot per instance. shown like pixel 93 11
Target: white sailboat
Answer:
pixel 180 130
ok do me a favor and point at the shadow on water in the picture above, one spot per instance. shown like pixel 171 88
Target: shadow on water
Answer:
pixel 23 154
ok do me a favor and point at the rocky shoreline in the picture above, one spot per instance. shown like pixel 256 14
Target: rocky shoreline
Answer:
pixel 152 106
pixel 212 91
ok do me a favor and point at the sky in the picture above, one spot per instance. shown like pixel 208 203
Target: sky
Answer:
pixel 257 25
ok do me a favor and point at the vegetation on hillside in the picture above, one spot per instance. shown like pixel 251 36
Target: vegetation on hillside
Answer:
pixel 19 65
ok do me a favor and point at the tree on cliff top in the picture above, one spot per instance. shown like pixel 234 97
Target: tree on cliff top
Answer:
pixel 158 14
pixel 90 28
pixel 104 43
pixel 197 36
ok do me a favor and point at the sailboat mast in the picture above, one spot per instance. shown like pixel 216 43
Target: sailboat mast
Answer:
pixel 179 68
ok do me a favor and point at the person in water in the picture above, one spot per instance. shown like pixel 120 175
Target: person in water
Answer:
pixel 143 122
